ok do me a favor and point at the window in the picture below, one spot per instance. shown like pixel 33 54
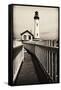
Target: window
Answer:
pixel 24 37
pixel 29 37
pixel 37 24
pixel 37 34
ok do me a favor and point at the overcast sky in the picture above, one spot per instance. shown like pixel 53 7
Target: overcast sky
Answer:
pixel 23 17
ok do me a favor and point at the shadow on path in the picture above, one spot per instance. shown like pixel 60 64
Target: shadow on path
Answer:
pixel 27 74
pixel 31 72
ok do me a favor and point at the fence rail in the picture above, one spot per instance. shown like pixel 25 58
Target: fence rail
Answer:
pixel 18 57
pixel 48 56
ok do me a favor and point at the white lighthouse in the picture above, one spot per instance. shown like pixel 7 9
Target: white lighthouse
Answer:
pixel 36 26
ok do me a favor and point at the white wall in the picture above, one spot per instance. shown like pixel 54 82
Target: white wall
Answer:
pixel 17 63
pixel 27 36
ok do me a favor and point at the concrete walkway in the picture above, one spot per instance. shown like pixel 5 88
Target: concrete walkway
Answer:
pixel 31 72
pixel 27 73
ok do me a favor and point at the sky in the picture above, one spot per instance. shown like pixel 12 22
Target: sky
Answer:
pixel 23 19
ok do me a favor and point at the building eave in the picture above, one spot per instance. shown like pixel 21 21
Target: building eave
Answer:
pixel 28 32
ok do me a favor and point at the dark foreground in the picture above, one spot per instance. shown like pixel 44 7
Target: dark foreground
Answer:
pixel 31 72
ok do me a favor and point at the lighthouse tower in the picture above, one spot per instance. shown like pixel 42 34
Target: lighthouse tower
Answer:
pixel 36 26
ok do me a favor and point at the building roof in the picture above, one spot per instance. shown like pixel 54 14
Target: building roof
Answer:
pixel 28 32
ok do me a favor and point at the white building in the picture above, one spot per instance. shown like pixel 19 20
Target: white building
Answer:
pixel 27 35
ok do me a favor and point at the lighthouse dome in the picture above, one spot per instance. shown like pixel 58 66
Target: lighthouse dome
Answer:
pixel 36 15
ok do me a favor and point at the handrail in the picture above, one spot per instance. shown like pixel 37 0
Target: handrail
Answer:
pixel 16 50
pixel 18 57
pixel 43 46
pixel 49 54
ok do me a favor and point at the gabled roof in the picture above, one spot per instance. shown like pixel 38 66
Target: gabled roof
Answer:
pixel 28 32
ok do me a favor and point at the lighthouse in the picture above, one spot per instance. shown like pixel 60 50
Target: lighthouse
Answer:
pixel 36 26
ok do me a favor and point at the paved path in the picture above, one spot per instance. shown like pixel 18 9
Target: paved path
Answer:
pixel 27 73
